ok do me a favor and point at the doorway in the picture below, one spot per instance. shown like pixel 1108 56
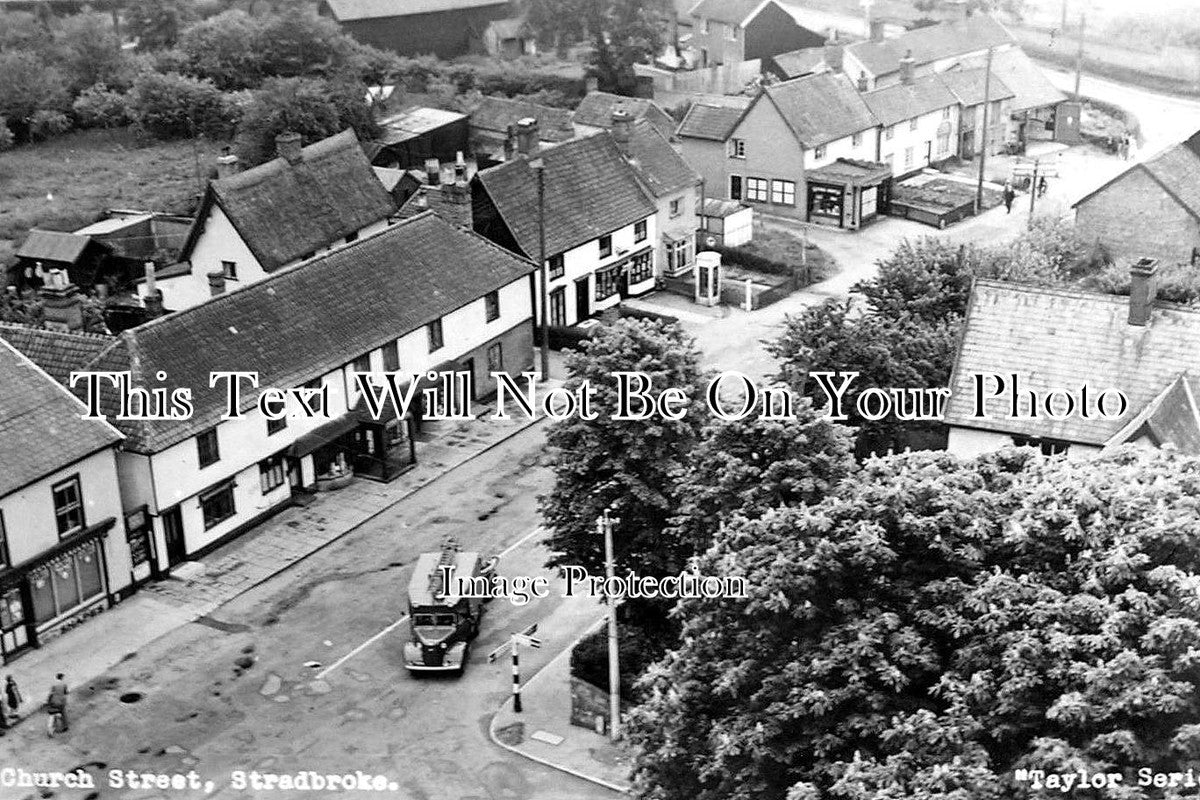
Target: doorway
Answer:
pixel 469 368
pixel 583 301
pixel 173 534
pixel 558 308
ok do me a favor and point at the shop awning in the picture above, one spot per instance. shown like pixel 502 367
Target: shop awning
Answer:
pixel 850 172
pixel 14 574
pixel 318 438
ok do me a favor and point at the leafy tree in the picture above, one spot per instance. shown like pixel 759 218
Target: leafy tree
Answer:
pixel 624 33
pixel 929 279
pixel 628 466
pixel 301 45
pixel 934 626
pixel 315 109
pixel 28 84
pixel 178 106
pixel 21 30
pixel 27 308
pixel 6 136
pixel 89 51
pixel 157 24
pixel 750 466
pixel 224 49
pixel 100 107
pixel 557 23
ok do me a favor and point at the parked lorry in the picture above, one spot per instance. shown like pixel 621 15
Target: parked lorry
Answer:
pixel 442 618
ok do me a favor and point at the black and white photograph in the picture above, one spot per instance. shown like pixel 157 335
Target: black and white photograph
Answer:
pixel 600 399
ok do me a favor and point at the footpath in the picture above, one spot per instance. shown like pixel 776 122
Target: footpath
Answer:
pixel 197 588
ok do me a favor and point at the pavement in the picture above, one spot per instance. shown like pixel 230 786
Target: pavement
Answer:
pixel 86 652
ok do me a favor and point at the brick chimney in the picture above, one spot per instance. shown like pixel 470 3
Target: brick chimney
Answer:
pixel 287 145
pixel 1143 287
pixel 61 302
pixel 527 136
pixel 216 282
pixel 622 126
pixel 510 142
pixel 907 65
pixel 864 83
pixel 153 299
pixel 877 30
pixel 833 52
pixel 227 166
pixel 433 172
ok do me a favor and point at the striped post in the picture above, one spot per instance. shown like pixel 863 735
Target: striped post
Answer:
pixel 516 677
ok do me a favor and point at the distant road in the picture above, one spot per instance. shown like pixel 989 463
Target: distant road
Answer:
pixel 1165 119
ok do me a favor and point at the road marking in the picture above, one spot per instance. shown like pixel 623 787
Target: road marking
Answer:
pixel 403 619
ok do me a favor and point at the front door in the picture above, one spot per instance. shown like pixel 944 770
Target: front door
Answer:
pixel 469 365
pixel 558 307
pixel 583 299
pixel 294 475
pixel 928 153
pixel 173 534
pixel 15 628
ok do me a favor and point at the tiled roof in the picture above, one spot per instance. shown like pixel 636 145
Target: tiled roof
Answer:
pixel 661 169
pixel 1171 419
pixel 347 10
pixel 596 111
pixel 851 171
pixel 59 353
pixel 933 43
pixel 1030 87
pixel 721 208
pixel 589 191
pixel 284 211
pixel 1055 338
pixel 797 63
pixel 731 12
pixel 902 101
pixel 712 120
pixel 1176 169
pixel 413 121
pixel 495 114
pixel 821 108
pixel 53 246
pixel 968 86
pixel 309 319
pixel 41 430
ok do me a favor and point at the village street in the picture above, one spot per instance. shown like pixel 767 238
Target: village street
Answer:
pixel 354 707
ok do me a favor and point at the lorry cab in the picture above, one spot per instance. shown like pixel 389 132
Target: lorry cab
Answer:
pixel 445 609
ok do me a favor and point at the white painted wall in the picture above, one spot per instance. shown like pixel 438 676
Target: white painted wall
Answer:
pixel 893 150
pixel 843 148
pixel 681 226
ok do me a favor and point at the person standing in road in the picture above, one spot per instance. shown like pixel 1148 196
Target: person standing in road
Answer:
pixel 57 701
pixel 12 696
pixel 1010 194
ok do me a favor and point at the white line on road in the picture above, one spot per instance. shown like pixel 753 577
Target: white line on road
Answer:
pixel 403 619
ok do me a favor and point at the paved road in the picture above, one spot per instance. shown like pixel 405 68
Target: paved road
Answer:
pixel 366 712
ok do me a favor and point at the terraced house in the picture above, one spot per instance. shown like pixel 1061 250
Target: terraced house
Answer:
pixel 421 296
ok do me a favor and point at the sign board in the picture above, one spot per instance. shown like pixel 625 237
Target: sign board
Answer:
pixel 528 641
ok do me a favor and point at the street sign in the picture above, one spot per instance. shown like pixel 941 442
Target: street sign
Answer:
pixel 528 641
pixel 499 651
pixel 530 631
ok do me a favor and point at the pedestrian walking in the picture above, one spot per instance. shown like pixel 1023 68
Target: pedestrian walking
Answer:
pixel 1041 187
pixel 1125 143
pixel 56 702
pixel 1010 194
pixel 12 696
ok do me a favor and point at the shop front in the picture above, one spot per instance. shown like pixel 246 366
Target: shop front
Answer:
pixel 848 193
pixel 48 595
pixel 384 448
pixel 322 458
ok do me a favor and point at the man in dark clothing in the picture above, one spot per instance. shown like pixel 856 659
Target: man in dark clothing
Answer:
pixel 1010 194
pixel 57 701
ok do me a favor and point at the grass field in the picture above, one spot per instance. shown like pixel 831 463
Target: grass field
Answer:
pixel 68 182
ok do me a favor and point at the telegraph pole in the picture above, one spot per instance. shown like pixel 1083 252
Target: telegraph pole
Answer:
pixel 1033 189
pixel 604 526
pixel 1079 54
pixel 987 101
pixel 539 168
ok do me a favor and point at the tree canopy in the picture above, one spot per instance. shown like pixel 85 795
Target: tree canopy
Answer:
pixel 933 627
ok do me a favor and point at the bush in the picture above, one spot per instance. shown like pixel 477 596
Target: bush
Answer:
pixel 176 106
pixel 314 109
pixel 46 124
pixel 6 136
pixel 752 261
pixel 100 107
pixel 637 649
pixel 1177 283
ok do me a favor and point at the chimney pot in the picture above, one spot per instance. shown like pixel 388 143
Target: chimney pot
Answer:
pixel 227 165
pixel 622 125
pixel 510 142
pixel 433 172
pixel 833 52
pixel 876 30
pixel 527 136
pixel 1143 289
pixel 216 282
pixel 863 83
pixel 907 65
pixel 287 146
pixel 61 302
pixel 148 266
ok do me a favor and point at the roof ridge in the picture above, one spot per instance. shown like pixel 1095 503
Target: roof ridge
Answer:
pixel 1080 294
pixel 59 386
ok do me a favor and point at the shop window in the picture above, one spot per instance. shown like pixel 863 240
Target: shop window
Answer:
pixel 557 267
pixel 607 282
pixel 12 610
pixel 827 201
pixel 783 192
pixel 391 357
pixel 137 530
pixel 274 426
pixel 271 473
pixel 679 255
pixel 434 329
pixel 229 270
pixel 639 231
pixel 217 505
pixel 819 153
pixel 737 148
pixel 207 448
pixel 66 583
pixel 605 246
pixel 757 190
pixel 491 303
pixel 68 506
pixel 641 267
pixel 735 187
pixel 495 357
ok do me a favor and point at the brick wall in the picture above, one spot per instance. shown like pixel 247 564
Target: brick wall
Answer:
pixel 1134 217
